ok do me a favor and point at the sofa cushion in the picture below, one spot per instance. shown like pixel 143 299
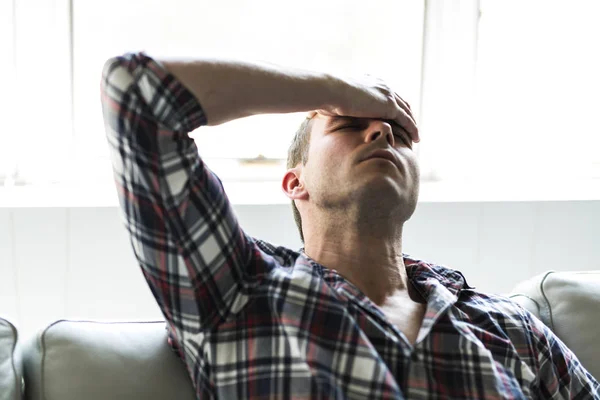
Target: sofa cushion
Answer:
pixel 104 360
pixel 568 303
pixel 10 362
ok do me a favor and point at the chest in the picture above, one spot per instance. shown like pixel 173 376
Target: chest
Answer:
pixel 408 318
pixel 307 339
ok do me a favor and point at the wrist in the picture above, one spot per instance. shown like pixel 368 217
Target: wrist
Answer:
pixel 331 89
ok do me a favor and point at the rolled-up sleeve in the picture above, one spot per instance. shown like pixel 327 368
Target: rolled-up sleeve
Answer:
pixel 184 233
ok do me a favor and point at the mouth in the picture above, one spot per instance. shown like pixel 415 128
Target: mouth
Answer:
pixel 382 154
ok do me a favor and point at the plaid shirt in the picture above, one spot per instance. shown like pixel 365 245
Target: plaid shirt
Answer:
pixel 252 320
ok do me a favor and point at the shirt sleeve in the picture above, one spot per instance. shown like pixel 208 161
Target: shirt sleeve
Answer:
pixel 185 236
pixel 560 374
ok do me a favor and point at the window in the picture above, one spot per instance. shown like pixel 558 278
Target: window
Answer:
pixel 537 88
pixel 37 107
pixel 338 35
pixel 511 92
pixel 502 90
pixel 7 72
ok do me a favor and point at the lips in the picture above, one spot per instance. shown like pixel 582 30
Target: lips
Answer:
pixel 385 154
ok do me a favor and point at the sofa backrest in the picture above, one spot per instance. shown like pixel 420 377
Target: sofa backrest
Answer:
pixel 11 380
pixel 568 303
pixel 104 360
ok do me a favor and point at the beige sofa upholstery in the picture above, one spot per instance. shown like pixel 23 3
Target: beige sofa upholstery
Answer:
pixel 569 303
pixel 10 362
pixel 75 360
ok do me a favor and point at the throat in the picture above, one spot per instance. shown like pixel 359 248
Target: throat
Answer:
pixel 407 317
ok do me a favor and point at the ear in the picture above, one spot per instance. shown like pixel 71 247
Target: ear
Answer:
pixel 292 186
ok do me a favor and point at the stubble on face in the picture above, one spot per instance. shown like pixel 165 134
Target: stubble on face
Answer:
pixel 366 191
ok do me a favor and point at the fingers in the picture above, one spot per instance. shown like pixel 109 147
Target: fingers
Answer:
pixel 403 103
pixel 406 119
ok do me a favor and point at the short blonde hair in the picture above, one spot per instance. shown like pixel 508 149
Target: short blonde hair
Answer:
pixel 298 153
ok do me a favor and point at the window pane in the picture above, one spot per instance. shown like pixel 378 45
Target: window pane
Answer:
pixel 7 72
pixel 379 37
pixel 34 34
pixel 447 87
pixel 538 83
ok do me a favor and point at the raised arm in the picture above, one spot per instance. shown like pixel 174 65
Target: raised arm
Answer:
pixel 236 89
pixel 197 260
pixel 183 231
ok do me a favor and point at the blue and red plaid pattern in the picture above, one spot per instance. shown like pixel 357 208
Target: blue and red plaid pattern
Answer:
pixel 252 320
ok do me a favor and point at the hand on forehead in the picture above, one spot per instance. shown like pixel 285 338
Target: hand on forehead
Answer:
pixel 314 113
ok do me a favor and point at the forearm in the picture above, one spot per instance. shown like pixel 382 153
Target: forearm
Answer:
pixel 229 89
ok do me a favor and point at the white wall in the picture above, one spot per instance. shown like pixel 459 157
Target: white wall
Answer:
pixel 77 262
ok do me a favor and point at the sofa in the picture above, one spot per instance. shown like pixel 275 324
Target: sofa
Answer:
pixel 569 304
pixel 93 360
pixel 11 380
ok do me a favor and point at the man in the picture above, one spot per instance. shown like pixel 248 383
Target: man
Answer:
pixel 350 316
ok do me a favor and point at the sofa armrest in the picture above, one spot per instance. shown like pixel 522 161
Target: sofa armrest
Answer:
pixel 104 360
pixel 11 371
pixel 569 304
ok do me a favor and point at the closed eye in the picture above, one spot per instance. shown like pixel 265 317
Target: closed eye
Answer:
pixel 349 126
pixel 401 134
pixel 398 131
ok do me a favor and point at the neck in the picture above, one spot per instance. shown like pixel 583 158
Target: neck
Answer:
pixel 368 254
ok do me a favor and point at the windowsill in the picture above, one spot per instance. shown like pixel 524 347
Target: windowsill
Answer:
pixel 104 195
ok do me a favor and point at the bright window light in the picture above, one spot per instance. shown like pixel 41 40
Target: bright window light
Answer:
pixel 339 36
pixel 381 37
pixel 503 90
pixel 537 90
pixel 8 159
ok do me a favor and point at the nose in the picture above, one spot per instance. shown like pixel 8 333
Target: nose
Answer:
pixel 379 130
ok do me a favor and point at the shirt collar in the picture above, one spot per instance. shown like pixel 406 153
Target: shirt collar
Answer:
pixel 424 276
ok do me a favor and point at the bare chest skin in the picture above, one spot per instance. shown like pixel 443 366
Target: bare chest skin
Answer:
pixel 406 314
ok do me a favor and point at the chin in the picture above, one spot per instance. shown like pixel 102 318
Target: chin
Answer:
pixel 388 194
pixel 391 185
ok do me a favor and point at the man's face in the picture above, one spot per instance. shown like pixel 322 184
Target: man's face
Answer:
pixel 361 162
